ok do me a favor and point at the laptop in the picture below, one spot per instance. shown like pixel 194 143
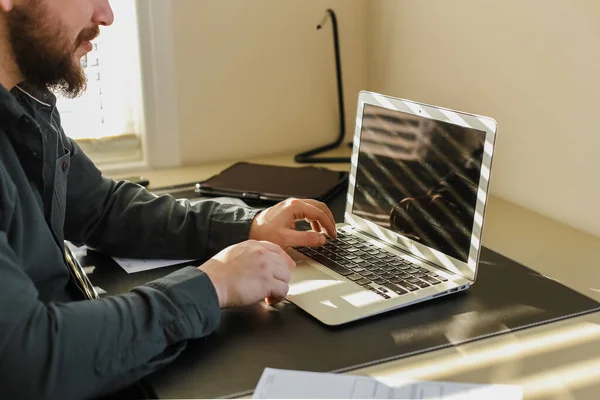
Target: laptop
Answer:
pixel 414 213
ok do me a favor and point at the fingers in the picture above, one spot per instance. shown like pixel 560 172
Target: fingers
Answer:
pixel 315 226
pixel 305 238
pixel 323 207
pixel 273 248
pixel 280 271
pixel 304 209
pixel 274 300
pixel 278 291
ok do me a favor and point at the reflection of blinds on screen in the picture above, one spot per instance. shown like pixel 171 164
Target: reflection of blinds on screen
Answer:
pixel 112 103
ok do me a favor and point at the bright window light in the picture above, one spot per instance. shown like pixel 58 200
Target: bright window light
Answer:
pixel 107 120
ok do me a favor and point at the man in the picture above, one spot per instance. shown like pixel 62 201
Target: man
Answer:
pixel 50 345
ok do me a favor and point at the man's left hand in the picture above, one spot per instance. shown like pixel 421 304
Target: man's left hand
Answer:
pixel 278 223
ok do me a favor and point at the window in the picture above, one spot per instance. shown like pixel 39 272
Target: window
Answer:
pixel 107 120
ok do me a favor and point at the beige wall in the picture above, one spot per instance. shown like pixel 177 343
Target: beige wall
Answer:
pixel 256 77
pixel 532 65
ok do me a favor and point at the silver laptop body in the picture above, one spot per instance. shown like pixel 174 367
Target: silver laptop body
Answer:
pixel 416 199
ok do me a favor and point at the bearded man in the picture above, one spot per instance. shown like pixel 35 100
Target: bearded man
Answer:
pixel 54 343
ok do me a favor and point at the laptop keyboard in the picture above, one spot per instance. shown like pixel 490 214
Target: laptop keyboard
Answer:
pixel 371 267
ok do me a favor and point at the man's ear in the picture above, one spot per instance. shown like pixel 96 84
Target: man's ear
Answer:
pixel 6 5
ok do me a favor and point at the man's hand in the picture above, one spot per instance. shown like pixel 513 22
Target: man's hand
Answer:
pixel 248 272
pixel 278 223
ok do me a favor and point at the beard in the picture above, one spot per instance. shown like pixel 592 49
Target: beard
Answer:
pixel 43 51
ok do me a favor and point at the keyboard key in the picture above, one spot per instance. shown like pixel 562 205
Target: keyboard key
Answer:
pixel 335 267
pixel 366 273
pixel 380 281
pixel 422 284
pixel 409 287
pixel 441 278
pixel 350 257
pixel 430 280
pixel 358 269
pixel 387 276
pixel 363 282
pixel 413 280
pixel 354 277
pixel 395 289
pixel 412 271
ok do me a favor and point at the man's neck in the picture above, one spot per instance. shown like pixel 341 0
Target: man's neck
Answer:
pixel 10 74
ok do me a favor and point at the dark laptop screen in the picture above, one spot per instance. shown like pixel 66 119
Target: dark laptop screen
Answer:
pixel 419 177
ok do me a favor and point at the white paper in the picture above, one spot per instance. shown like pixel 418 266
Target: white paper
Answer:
pixel 286 384
pixel 133 265
pixel 222 200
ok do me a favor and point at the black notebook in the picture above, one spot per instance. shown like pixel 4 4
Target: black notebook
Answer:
pixel 251 181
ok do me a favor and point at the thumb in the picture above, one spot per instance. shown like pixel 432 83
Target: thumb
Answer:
pixel 304 238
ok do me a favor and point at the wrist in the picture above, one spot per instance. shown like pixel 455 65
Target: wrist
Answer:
pixel 254 227
pixel 219 288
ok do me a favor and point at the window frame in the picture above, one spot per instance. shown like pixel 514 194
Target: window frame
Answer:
pixel 160 133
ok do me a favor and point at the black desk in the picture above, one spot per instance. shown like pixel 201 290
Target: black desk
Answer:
pixel 506 297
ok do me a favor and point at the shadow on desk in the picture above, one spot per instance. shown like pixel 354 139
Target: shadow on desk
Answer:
pixel 506 297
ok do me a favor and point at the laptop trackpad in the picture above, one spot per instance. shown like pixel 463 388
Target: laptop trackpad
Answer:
pixel 315 290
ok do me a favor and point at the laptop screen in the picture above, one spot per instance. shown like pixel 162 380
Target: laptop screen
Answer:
pixel 419 177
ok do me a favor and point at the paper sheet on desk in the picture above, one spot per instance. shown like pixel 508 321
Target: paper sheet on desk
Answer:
pixel 281 384
pixel 222 200
pixel 133 265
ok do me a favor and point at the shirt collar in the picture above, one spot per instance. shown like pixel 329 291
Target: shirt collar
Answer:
pixel 11 110
pixel 43 97
pixel 11 106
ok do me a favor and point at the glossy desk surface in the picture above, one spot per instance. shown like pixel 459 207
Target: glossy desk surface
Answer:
pixel 560 360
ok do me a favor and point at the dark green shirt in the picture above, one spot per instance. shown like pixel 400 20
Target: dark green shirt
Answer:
pixel 52 346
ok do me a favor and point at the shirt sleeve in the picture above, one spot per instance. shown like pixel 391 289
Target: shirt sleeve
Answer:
pixel 89 348
pixel 124 219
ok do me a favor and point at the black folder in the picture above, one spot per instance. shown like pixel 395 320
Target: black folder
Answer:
pixel 250 181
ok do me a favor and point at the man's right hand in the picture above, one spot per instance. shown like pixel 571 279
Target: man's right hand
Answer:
pixel 248 272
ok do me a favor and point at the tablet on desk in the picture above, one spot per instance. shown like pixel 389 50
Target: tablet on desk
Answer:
pixel 251 181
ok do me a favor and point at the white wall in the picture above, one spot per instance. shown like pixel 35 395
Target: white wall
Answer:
pixel 533 65
pixel 256 77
